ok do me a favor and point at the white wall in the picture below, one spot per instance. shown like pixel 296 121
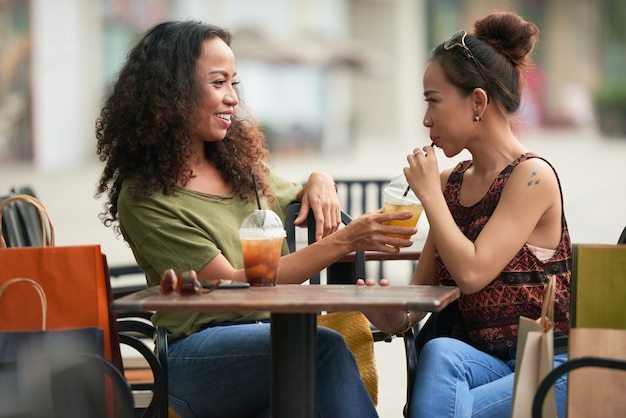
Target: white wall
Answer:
pixel 65 77
pixel 388 99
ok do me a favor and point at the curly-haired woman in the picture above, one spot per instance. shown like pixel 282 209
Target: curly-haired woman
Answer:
pixel 180 153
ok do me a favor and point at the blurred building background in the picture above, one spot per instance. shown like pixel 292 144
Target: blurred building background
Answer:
pixel 319 74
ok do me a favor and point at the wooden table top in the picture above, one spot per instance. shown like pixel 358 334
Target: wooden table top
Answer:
pixel 293 299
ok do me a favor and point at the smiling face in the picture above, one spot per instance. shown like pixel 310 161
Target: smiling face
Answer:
pixel 449 114
pixel 216 73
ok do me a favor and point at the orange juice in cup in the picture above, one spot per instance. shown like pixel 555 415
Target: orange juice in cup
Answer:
pixel 260 257
pixel 398 197
pixel 261 236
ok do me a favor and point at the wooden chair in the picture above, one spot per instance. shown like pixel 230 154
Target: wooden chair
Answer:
pixel 599 312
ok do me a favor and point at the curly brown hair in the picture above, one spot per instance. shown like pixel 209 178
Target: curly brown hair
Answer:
pixel 144 128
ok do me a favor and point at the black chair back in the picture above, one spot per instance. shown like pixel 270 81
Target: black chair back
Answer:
pixel 21 222
pixel 337 273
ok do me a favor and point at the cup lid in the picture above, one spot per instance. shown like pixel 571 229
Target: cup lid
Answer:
pixel 397 188
pixel 262 223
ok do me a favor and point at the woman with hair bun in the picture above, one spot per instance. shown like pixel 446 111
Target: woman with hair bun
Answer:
pixel 497 224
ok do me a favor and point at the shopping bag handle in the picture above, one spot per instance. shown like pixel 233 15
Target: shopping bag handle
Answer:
pixel 38 288
pixel 547 310
pixel 43 215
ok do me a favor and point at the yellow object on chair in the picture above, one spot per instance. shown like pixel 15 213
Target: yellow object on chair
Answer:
pixel 356 330
pixel 171 413
pixel 599 288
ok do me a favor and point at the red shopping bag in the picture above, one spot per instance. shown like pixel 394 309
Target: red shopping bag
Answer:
pixel 73 278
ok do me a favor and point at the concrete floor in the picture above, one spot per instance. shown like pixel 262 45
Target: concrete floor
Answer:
pixel 590 168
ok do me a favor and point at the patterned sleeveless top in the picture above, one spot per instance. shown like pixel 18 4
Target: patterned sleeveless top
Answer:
pixel 489 319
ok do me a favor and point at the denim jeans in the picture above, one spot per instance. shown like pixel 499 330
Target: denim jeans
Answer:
pixel 453 379
pixel 224 371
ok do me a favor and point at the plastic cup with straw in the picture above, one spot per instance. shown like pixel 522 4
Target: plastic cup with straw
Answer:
pixel 398 197
pixel 261 234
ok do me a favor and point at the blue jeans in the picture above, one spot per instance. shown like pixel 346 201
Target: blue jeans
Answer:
pixel 453 379
pixel 224 371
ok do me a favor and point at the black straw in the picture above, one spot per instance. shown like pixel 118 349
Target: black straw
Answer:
pixel 406 192
pixel 256 191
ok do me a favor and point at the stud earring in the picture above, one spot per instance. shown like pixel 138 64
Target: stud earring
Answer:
pixel 477 118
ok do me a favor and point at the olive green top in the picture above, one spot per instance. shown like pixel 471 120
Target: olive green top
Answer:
pixel 186 230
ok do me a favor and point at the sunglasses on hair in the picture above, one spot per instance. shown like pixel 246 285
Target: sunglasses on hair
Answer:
pixel 458 39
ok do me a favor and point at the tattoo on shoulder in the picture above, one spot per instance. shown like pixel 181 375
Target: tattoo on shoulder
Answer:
pixel 533 179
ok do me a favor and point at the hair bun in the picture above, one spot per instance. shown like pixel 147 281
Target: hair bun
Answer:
pixel 509 34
